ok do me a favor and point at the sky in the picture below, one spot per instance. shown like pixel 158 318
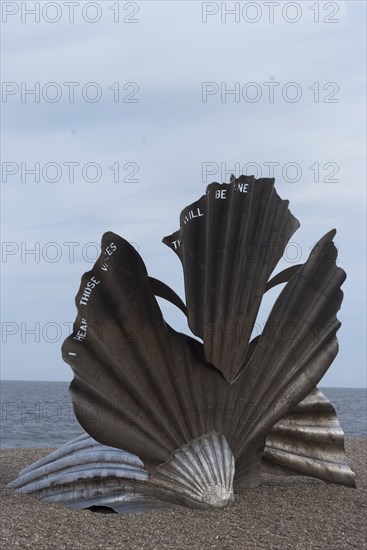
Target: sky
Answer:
pixel 116 115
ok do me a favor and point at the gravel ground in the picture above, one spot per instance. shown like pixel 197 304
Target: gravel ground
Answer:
pixel 282 513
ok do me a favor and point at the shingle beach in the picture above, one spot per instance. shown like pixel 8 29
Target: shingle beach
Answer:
pixel 282 513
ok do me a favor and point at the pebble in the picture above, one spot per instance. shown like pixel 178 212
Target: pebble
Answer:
pixel 285 513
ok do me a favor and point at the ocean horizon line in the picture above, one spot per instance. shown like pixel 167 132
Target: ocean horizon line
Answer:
pixel 65 381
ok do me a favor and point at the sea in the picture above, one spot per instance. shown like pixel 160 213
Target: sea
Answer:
pixel 40 414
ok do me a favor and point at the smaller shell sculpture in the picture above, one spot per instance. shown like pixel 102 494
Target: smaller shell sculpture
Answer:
pixel 182 423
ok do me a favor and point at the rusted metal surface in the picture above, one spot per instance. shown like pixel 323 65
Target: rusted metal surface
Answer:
pixel 155 392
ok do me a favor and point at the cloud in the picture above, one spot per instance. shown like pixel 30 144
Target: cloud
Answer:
pixel 172 136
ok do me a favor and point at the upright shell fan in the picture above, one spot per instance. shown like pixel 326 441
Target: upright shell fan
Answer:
pixel 229 243
pixel 183 423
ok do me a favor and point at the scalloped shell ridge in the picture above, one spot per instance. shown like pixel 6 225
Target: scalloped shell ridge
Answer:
pixel 229 242
pixel 200 473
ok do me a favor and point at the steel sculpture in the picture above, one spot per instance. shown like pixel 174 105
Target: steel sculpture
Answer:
pixel 180 422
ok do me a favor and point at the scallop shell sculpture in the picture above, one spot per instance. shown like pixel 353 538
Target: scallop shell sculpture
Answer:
pixel 180 422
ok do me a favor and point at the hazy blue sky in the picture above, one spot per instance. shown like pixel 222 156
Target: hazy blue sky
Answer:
pixel 144 88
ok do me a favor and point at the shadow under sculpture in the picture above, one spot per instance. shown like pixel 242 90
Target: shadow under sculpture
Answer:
pixel 173 421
